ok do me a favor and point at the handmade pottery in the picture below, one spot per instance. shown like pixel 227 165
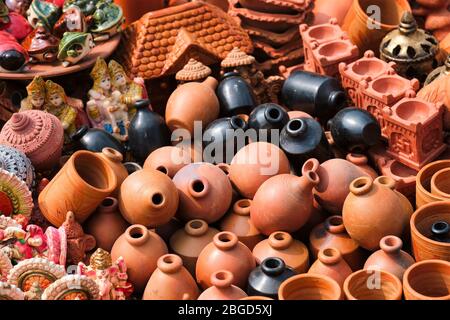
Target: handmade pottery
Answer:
pixel 193 71
pixel 41 45
pixel 16 198
pixel 441 231
pixel 168 160
pixel 96 139
pixel 18 26
pixel 423 182
pixel 310 287
pixel 16 162
pixel 235 95
pixel 43 12
pixel 439 184
pixel 87 7
pixel 74 47
pixel 267 117
pixel 361 161
pixel 13 55
pixel 114 159
pixel 372 285
pixel 107 21
pixel 330 263
pixel 222 288
pixel 72 20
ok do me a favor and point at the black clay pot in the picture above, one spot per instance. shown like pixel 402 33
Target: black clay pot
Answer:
pixel 147 132
pixel 95 140
pixel 235 95
pixel 317 95
pixel 266 117
pixel 441 231
pixel 267 278
pixel 354 129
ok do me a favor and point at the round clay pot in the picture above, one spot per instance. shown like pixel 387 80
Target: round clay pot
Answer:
pixel 254 164
pixel 330 263
pixel 222 288
pixel 281 245
pixel 236 96
pixel 310 286
pixel 114 159
pixel 440 185
pixel 324 10
pixel 361 161
pixel 148 197
pixel 168 160
pixel 171 281
pixel 427 280
pixel 372 285
pixel 238 221
pixel 96 140
pixel 225 252
pixel 80 186
pixel 189 241
pixel 423 182
pixel 141 249
pixel 106 224
pixel 205 192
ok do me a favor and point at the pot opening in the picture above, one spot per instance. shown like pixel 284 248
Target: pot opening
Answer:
pixel 157 199
pixel 440 228
pixel 244 203
pixel 272 263
pixel 196 224
pixel 221 275
pixel 330 252
pixel 108 202
pixel 168 259
pixel 279 236
pixel 136 233
pixel 224 237
pixel 335 221
pixel 162 169
pixel 92 171
pixel 295 125
pixel 237 122
pixel 274 114
pixel 198 186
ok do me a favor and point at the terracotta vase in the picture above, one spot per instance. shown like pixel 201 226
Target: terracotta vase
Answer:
pixel 222 288
pixel 148 197
pixel 80 186
pixel 205 192
pixel 324 10
pixel 423 182
pixel 106 224
pixel 225 252
pixel 361 161
pixel 238 221
pixel 281 245
pixel 141 249
pixel 427 280
pixel 330 263
pixel 254 164
pixel 114 159
pixel 332 233
pixel 310 287
pixel 133 10
pixel 372 285
pixel 171 281
pixel 335 177
pixel 168 160
pixel 189 241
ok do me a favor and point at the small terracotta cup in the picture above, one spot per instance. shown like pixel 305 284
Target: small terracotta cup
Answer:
pixel 423 182
pixel 310 287
pixel 372 285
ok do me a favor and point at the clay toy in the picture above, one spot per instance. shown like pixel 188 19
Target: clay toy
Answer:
pixel 74 46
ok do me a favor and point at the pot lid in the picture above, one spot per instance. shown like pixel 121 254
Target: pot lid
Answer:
pixel 237 58
pixel 193 71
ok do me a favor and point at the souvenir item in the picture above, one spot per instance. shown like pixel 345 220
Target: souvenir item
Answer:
pixel 86 6
pixel 168 160
pixel 107 20
pixel 96 140
pixel 72 287
pixel 310 287
pixel 235 95
pixel 193 71
pixel 17 163
pixel 74 46
pixel 16 199
pixel 330 263
pixel 36 95
pixel 42 46
pixel 10 292
pixel 17 26
pixel 357 286
pixel 222 287
pixel 43 12
pixel 72 20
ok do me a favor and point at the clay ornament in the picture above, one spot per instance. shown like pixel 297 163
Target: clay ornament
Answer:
pixel 16 199
pixel 107 20
pixel 41 45
pixel 17 26
pixel 43 12
pixel 72 20
pixel 17 163
pixel 74 46
pixel 72 287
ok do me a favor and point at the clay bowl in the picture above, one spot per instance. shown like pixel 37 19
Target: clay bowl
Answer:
pixel 362 285
pixel 423 182
pixel 310 286
pixel 370 67
pixel 440 183
pixel 323 33
pixel 336 49
pixel 412 110
pixel 427 280
pixel 392 85
pixel 424 247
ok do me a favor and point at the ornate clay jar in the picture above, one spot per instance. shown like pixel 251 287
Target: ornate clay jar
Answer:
pixel 171 281
pixel 114 159
pixel 36 133
pixel 235 95
pixel 148 197
pixel 357 286
pixel 80 186
pixel 266 279
pixel 281 245
pixel 283 203
pixel 96 140
pixel 238 221
pixel 310 286
pixel 225 252
pixel 222 288
pixel 141 249
pixel 205 192
pixel 106 224
pixel 189 241
pixel 268 116
pixel 16 162
pixel 423 182
pixel 168 160
pixel 330 263
pixel 361 161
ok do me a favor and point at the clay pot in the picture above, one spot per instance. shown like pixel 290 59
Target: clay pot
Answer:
pixel 254 164
pixel 114 159
pixel 441 231
pixel 281 245
pixel 96 140
pixel 423 182
pixel 235 95
pixel 106 224
pixel 424 247
pixel 372 285
pixel 132 167
pixel 298 114
pixel 171 281
pixel 258 298
pixel 310 287
pixel 371 212
pixel 80 186
pixel 332 233
pixel 266 279
pixel 222 288
pixel 335 177
pixel 440 185
pixel 283 203
pixel 390 258
pixel 225 252
pixel 266 117
pixel 324 10
pixel 189 241
pixel 427 280
pixel 148 197
pixel 133 10
pixel 361 161
pixel 168 160
pixel 238 221
pixel 141 249
pixel 330 263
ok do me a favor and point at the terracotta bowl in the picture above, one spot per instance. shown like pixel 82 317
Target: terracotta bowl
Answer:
pixel 440 183
pixel 393 85
pixel 423 182
pixel 335 49
pixel 372 285
pixel 370 67
pixel 323 33
pixel 310 287
pixel 412 110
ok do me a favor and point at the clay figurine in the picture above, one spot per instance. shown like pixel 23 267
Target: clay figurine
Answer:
pixel 108 19
pixel 74 46
pixel 41 45
pixel 86 6
pixel 19 6
pixel 16 25
pixel 45 12
pixel 36 95
pixel 72 20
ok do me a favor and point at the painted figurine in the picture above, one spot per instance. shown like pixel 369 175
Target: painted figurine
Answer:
pixel 44 12
pixel 72 20
pixel 19 6
pixel 107 20
pixel 41 45
pixel 74 46
pixel 86 6
pixel 14 24
pixel 36 95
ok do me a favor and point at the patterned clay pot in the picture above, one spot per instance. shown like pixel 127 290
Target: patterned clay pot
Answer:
pixel 310 286
pixel 372 285
pixel 330 263
pixel 16 162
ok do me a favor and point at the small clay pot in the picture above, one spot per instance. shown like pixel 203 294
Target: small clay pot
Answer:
pixel 222 288
pixel 439 183
pixel 310 287
pixel 236 96
pixel 330 263
pixel 423 182
pixel 114 159
pixel 372 285
pixel 96 140
pixel 266 117
pixel 168 160
pixel 361 161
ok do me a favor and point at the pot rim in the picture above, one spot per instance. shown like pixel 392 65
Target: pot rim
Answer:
pixel 360 11
pixel 439 193
pixel 319 277
pixel 350 296
pixel 420 174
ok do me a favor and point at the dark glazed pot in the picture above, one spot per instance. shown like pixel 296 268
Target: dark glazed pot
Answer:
pixel 267 116
pixel 235 95
pixel 95 140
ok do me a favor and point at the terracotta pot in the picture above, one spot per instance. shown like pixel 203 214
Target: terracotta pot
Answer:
pixel 189 241
pixel 335 177
pixel 281 245
pixel 310 287
pixel 141 249
pixel 168 160
pixel 330 263
pixel 148 197
pixel 283 203
pixel 424 247
pixel 106 224
pixel 171 281
pixel 80 186
pixel 361 161
pixel 254 164
pixel 440 185
pixel 166 231
pixel 423 182
pixel 332 233
pixel 225 252
pixel 427 280
pixel 371 212
pixel 205 192
pixel 133 10
pixel 114 159
pixel 324 10
pixel 238 221
pixel 372 285
pixel 222 288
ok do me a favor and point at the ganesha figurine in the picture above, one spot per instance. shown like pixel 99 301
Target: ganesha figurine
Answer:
pixel 74 46
pixel 43 12
pixel 107 20
pixel 72 20
pixel 41 45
